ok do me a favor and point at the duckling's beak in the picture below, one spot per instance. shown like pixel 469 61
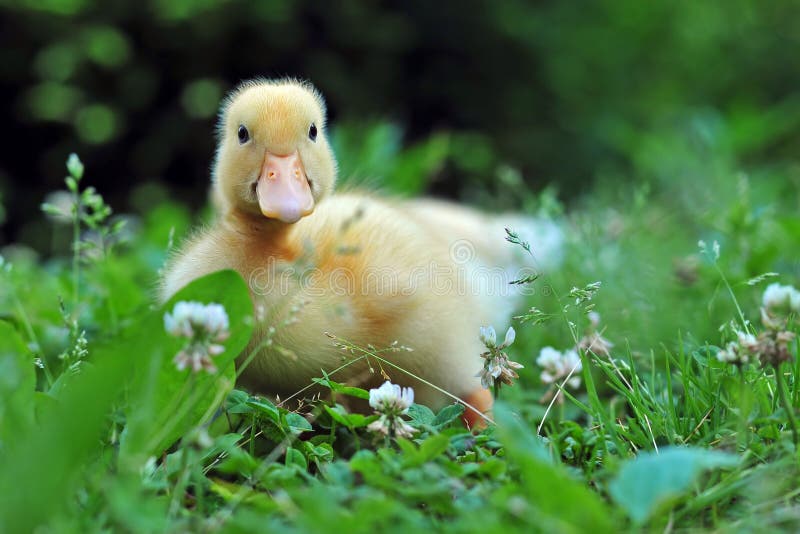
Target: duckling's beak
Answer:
pixel 282 189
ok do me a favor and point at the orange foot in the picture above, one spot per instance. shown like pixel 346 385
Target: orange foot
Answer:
pixel 482 400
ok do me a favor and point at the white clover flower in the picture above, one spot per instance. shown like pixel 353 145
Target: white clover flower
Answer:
pixel 557 365
pixel 386 426
pixel 776 296
pixel 189 318
pixel 205 326
pixel 745 349
pixel 737 354
pixel 499 368
pixel 391 397
pixel 497 365
pixel 732 354
pixel 549 358
pixel 391 401
pixel 746 340
pixel 782 298
pixel 488 336
pixel 511 335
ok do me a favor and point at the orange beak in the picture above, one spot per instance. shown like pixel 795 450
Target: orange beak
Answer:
pixel 282 189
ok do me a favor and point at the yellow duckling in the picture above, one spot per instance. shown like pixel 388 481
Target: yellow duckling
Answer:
pixel 372 271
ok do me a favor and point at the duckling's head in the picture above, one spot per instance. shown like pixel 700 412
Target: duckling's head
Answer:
pixel 273 158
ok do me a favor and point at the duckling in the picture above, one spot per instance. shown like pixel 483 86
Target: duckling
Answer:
pixel 375 271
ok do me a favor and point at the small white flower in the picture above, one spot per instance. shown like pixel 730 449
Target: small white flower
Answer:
pixel 745 349
pixel 497 366
pixel 190 318
pixel 777 296
pixel 572 362
pixel 746 340
pixel 780 298
pixel 730 354
pixel 549 358
pixel 511 335
pixel 204 326
pixel 557 365
pixel 488 336
pixel 391 401
pixel 391 398
pixel 384 425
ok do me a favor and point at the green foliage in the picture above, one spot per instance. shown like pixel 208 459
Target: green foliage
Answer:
pixel 173 401
pixel 557 93
pixel 378 158
pixel 17 383
pixel 50 455
pixel 99 430
pixel 653 480
pixel 556 509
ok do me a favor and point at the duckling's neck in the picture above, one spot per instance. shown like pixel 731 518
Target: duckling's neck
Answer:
pixel 271 237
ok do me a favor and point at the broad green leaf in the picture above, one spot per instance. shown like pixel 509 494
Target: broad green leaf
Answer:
pixel 428 450
pixel 322 452
pixel 50 455
pixel 652 481
pixel 297 423
pixel 336 387
pixel 434 446
pixel 447 415
pixel 229 491
pixel 295 457
pixel 223 444
pixel 169 402
pixel 265 408
pixel 17 384
pixel 238 462
pixel 420 414
pixel 350 420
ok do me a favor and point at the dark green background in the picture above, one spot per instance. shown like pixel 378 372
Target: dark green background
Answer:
pixel 562 91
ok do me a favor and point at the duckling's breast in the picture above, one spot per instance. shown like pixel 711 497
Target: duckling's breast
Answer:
pixel 361 271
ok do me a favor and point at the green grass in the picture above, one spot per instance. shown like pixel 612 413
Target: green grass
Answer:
pixel 99 431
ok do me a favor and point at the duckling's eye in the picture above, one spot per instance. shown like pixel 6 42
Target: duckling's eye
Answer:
pixel 312 132
pixel 244 135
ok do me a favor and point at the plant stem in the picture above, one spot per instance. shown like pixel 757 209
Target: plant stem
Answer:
pixel 786 404
pixel 76 235
pixel 744 409
pixel 179 491
pixel 199 489
pixel 253 435
pixel 745 324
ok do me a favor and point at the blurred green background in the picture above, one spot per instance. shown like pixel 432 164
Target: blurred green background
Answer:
pixel 489 97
